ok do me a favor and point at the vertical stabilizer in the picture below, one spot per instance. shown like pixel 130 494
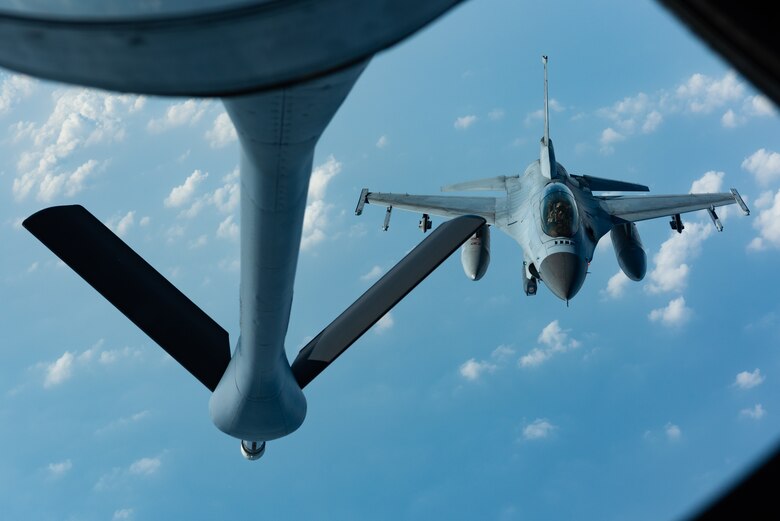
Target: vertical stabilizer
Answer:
pixel 546 153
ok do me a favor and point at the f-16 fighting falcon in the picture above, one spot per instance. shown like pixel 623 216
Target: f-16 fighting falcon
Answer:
pixel 555 218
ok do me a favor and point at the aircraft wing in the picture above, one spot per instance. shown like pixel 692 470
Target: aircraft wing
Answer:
pixel 444 205
pixel 649 207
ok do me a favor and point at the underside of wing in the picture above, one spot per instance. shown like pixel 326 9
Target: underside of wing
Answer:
pixel 444 205
pixel 650 207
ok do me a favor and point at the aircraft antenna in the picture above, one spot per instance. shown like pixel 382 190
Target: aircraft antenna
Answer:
pixel 546 109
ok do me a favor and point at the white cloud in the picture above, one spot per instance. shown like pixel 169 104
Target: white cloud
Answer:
pixel 764 165
pixel 767 223
pixel 554 341
pixel 382 142
pixel 64 367
pixel 702 94
pixel 538 429
pixel 674 314
pixel 673 432
pixel 122 423
pixel 122 224
pixel 471 369
pixel 710 182
pixel 616 285
pixel 124 513
pixel 496 114
pixel 59 371
pixel 754 413
pixel 57 470
pixel 373 274
pixel 145 221
pixel 748 380
pixel 652 122
pixel 759 106
pixel 609 137
pixel 384 324
pixel 222 132
pixel 671 262
pixel 316 218
pixel 81 118
pixel 200 242
pixel 183 193
pixel 13 89
pixel 187 112
pixel 464 122
pixel 697 95
pixel 227 229
pixel 145 466
pixel 730 119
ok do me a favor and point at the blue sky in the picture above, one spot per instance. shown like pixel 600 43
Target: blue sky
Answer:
pixel 470 400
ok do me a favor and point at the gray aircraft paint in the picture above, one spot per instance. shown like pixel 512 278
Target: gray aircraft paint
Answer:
pixel 562 262
pixel 305 55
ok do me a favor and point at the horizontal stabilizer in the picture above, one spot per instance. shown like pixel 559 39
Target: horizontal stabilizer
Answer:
pixel 599 184
pixel 381 297
pixel 128 282
pixel 489 184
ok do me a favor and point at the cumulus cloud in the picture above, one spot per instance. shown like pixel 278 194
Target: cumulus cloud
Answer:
pixel 59 371
pixel 122 423
pixel 767 222
pixel 472 369
pixel 222 132
pixel 616 285
pixel 316 218
pixel 227 229
pixel 710 182
pixel 672 431
pixel 63 369
pixel 186 112
pixel 464 122
pixel 554 340
pixel 759 106
pixel 57 470
pixel 382 142
pixel 496 114
pixel 182 194
pixel 676 313
pixel 373 274
pixel 538 429
pixel 699 94
pixel 81 118
pixel 609 137
pixel 671 269
pixel 384 324
pixel 124 513
pixel 13 89
pixel 754 413
pixel 145 466
pixel 748 380
pixel 704 94
pixel 764 165
pixel 121 224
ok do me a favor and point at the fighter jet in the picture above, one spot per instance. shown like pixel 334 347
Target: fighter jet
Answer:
pixel 555 218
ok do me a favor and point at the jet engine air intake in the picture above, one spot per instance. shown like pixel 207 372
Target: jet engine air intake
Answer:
pixel 629 251
pixel 475 253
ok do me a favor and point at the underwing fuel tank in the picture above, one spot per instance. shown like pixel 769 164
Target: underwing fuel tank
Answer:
pixel 629 251
pixel 475 253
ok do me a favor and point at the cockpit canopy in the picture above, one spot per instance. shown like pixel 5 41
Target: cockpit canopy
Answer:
pixel 559 212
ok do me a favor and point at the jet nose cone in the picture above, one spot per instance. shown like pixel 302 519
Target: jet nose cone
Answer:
pixel 563 273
